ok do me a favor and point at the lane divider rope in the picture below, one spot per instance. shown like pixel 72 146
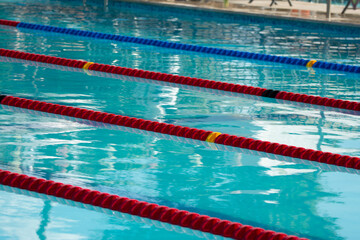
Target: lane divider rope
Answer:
pixel 186 47
pixel 119 215
pixel 197 82
pixel 168 84
pixel 208 145
pixel 140 208
pixel 186 132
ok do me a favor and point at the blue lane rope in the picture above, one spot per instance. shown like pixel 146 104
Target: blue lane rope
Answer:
pixel 193 48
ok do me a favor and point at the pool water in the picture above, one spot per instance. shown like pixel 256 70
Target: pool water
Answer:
pixel 281 194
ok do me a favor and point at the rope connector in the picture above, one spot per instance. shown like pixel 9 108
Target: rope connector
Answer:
pixel 310 63
pixel 87 65
pixel 212 136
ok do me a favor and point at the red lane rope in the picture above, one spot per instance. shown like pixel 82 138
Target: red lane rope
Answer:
pixel 326 167
pixel 139 208
pixel 9 22
pixel 119 215
pixel 197 82
pixel 163 83
pixel 186 132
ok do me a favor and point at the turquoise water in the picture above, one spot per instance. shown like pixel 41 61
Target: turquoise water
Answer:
pixel 281 194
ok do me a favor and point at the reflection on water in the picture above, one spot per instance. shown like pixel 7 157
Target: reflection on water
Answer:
pixel 45 219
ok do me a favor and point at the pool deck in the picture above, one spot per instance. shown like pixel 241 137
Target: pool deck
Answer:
pixel 307 11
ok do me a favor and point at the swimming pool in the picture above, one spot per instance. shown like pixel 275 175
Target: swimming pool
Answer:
pixel 295 198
